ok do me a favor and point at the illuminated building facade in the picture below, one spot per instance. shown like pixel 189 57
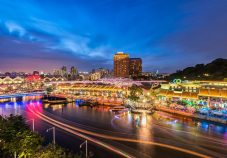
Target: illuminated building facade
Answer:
pixel 8 80
pixel 73 71
pixel 104 94
pixel 64 71
pixel 125 67
pixel 95 76
pixel 53 79
pixel 103 72
pixel 212 94
pixel 121 65
pixel 57 72
pixel 135 67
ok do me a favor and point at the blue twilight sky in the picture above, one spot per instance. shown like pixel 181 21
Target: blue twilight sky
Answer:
pixel 166 34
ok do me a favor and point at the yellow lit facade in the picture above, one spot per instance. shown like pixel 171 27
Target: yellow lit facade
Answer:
pixel 135 67
pixel 209 93
pixel 121 65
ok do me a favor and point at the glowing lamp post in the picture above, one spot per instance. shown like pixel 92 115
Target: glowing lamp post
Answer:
pixel 53 129
pixel 85 142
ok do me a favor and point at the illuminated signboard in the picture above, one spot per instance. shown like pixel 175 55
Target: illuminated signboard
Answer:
pixel 177 81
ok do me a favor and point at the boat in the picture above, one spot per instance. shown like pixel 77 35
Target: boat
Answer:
pixel 85 103
pixel 119 109
pixel 54 102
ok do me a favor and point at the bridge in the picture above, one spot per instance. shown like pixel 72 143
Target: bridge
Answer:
pixel 15 95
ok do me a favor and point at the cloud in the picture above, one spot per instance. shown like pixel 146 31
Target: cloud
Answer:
pixel 59 40
pixel 15 28
pixel 167 35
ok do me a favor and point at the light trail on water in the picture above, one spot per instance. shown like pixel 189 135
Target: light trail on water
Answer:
pixel 95 141
pixel 69 128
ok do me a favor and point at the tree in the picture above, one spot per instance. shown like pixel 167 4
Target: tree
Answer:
pixel 135 92
pixel 17 137
pixel 29 143
pixel 51 152
pixel 216 70
pixel 49 90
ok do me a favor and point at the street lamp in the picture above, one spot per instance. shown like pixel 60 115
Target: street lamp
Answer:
pixel 33 124
pixel 53 129
pixel 85 142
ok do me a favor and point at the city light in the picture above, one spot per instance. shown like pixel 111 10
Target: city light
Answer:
pixel 134 79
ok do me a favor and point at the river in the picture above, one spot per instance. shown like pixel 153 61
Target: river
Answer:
pixel 199 136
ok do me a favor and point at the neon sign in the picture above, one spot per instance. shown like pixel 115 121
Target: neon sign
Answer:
pixel 177 81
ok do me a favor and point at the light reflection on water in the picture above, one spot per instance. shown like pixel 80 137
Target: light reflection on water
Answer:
pixel 139 126
pixel 142 123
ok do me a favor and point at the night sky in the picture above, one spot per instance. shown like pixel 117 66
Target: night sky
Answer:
pixel 167 34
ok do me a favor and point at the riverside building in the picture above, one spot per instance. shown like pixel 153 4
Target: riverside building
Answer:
pixel 121 65
pixel 126 67
pixel 212 94
pixel 135 67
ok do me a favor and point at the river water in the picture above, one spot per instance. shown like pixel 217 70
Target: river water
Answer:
pixel 199 136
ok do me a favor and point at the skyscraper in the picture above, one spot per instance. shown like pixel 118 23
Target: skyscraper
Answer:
pixel 121 65
pixel 73 71
pixel 135 67
pixel 64 71
pixel 57 72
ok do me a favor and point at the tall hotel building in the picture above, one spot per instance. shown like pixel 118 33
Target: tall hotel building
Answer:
pixel 125 66
pixel 121 65
pixel 135 67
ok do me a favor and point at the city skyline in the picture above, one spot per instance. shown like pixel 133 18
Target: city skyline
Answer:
pixel 37 36
pixel 113 78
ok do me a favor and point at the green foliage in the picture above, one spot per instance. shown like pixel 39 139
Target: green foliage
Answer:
pixel 182 102
pixel 135 92
pixel 51 152
pixel 28 143
pixel 154 92
pixel 216 70
pixel 16 136
pixel 187 103
pixel 49 89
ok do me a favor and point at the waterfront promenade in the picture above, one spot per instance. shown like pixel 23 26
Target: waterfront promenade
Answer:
pixel 194 115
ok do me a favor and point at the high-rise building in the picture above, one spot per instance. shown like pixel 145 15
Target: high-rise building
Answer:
pixel 64 71
pixel 95 76
pixel 103 72
pixel 121 65
pixel 135 67
pixel 73 71
pixel 57 72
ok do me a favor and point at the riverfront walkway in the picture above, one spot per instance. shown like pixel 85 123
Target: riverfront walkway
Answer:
pixel 14 95
pixel 195 115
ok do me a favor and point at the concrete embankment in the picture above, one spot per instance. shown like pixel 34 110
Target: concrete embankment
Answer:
pixel 194 116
